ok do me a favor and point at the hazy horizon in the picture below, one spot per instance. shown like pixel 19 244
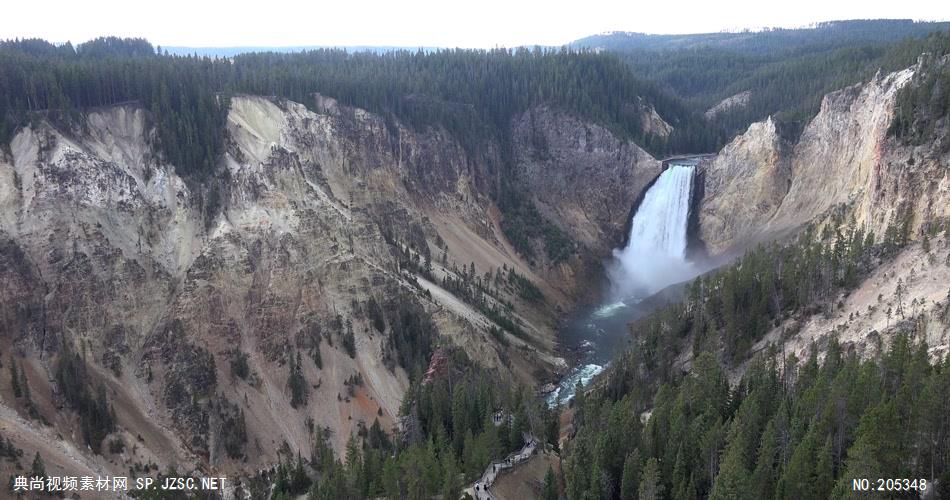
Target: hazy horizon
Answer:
pixel 423 23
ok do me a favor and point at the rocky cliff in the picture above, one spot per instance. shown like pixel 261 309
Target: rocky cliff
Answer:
pixel 195 302
pixel 846 170
pixel 845 164
pixel 599 177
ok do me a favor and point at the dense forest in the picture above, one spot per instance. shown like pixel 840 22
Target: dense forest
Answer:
pixel 923 106
pixel 791 428
pixel 472 93
pixel 786 71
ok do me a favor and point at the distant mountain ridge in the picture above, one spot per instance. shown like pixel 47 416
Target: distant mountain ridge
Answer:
pixel 830 34
pixel 783 73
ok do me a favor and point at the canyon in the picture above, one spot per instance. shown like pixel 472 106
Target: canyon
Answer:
pixel 167 283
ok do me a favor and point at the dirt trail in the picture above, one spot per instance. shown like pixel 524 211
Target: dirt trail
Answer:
pixel 480 489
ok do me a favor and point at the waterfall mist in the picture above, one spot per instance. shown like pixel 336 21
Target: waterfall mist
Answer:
pixel 655 255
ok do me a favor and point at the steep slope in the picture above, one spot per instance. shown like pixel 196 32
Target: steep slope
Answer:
pixel 583 179
pixel 846 171
pixel 837 335
pixel 295 289
pixel 845 164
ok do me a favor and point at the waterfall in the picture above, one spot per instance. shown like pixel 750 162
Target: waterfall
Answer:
pixel 655 255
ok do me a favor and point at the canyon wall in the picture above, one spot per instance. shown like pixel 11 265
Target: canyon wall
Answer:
pixel 192 299
pixel 844 165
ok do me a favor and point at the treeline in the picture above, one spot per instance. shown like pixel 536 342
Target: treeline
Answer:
pixel 774 41
pixel 793 89
pixel 789 430
pixel 472 93
pixel 922 104
pixel 788 83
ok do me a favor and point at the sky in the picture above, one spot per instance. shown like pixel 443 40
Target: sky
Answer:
pixel 417 23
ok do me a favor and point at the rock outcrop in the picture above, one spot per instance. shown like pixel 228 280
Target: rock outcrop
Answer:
pixel 847 169
pixel 744 186
pixel 734 101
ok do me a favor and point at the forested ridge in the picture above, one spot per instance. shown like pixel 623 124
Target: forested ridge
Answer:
pixel 776 41
pixel 787 71
pixel 471 93
pixel 923 105
pixel 790 428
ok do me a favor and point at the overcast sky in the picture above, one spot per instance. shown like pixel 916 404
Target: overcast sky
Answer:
pixel 414 23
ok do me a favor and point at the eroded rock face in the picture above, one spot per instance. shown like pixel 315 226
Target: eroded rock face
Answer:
pixel 166 282
pixel 734 101
pixel 581 175
pixel 652 123
pixel 844 165
pixel 744 185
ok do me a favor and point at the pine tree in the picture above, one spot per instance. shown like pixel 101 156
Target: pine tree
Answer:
pixel 354 462
pixel 650 486
pixel 876 449
pixel 15 378
pixel 824 480
pixel 732 482
pixel 630 481
pixel 550 490
pixel 316 356
pixel 764 475
pixel 298 482
pixel 349 340
pixel 38 469
pixel 297 383
pixel 798 478
pixel 596 486
pixel 451 487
